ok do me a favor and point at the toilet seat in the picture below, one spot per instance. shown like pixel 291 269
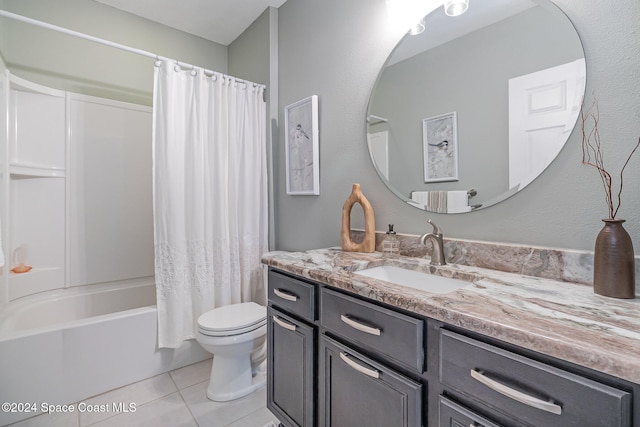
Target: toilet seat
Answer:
pixel 232 319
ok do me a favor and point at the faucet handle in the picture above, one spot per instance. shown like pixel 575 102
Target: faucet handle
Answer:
pixel 436 229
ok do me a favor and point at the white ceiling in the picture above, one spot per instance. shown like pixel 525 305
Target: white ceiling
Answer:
pixel 221 21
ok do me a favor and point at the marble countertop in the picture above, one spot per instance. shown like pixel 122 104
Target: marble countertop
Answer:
pixel 564 320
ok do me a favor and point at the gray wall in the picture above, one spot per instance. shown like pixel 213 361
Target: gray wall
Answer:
pixel 65 62
pixel 254 56
pixel 468 75
pixel 335 48
pixel 68 63
pixel 249 53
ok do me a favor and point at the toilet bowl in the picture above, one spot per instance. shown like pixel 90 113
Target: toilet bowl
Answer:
pixel 233 334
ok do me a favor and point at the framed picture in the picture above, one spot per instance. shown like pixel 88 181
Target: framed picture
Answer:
pixel 301 147
pixel 440 148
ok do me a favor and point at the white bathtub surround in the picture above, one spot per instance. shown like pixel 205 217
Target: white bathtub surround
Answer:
pixel 61 195
pixel 171 399
pixel 75 343
pixel 53 310
pixel 210 195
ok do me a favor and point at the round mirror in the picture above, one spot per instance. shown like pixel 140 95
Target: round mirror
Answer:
pixel 474 108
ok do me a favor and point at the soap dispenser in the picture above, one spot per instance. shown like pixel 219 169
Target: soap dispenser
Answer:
pixel 390 244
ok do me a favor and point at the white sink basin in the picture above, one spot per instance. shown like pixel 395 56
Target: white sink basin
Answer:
pixel 414 279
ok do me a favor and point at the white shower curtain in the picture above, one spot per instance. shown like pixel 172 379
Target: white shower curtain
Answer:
pixel 210 196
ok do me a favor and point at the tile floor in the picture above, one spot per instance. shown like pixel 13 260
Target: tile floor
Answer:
pixel 174 399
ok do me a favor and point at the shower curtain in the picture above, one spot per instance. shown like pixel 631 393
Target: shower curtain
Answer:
pixel 210 195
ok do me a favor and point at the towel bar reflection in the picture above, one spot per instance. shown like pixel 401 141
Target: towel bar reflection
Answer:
pixel 374 120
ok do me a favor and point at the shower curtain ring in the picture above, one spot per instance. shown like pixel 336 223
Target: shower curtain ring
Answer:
pixel 157 62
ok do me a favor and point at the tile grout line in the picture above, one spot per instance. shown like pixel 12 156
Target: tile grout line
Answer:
pixel 248 415
pixel 195 420
pixel 129 385
pixel 81 423
pixel 184 402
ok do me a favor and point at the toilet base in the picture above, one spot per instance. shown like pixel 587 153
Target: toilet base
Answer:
pixel 257 382
pixel 232 378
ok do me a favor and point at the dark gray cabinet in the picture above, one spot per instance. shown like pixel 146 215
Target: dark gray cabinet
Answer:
pixel 291 350
pixel 450 414
pixel 290 376
pixel 292 295
pixel 396 336
pixel 358 391
pixel 527 390
pixel 340 360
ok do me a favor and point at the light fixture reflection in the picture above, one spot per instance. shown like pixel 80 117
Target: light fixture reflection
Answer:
pixel 455 7
pixel 403 14
pixel 418 28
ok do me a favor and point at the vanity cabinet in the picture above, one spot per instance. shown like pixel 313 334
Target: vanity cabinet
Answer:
pixel 291 350
pixel 358 389
pixel 339 359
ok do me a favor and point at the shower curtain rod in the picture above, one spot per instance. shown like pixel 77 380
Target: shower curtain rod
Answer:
pixel 35 22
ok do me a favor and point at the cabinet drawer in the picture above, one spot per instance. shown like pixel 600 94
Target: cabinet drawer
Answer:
pixel 295 296
pixel 394 335
pixel 528 390
pixel 450 414
pixel 357 391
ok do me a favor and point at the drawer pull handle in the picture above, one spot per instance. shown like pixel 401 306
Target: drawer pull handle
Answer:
pixel 358 367
pixel 359 326
pixel 286 325
pixel 285 295
pixel 517 395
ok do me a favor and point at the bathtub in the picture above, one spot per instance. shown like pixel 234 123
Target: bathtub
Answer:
pixel 63 346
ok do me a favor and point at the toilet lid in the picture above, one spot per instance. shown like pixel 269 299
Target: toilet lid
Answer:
pixel 233 317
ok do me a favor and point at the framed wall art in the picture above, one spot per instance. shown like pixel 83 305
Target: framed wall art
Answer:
pixel 440 148
pixel 301 147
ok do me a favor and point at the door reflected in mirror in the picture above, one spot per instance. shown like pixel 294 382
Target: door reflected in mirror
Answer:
pixel 512 72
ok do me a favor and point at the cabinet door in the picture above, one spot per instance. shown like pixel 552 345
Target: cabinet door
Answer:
pixel 356 391
pixel 290 363
pixel 450 414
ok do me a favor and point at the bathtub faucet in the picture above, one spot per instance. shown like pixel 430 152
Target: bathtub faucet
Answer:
pixel 437 253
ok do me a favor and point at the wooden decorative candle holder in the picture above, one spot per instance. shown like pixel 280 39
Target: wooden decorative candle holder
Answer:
pixel 368 244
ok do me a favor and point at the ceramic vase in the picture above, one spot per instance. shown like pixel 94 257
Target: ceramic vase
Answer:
pixel 613 263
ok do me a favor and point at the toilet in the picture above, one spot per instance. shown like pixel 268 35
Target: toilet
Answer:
pixel 233 334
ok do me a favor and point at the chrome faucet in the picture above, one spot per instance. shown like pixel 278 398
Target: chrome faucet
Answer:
pixel 437 254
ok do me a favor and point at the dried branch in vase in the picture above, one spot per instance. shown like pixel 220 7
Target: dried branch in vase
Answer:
pixel 592 156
